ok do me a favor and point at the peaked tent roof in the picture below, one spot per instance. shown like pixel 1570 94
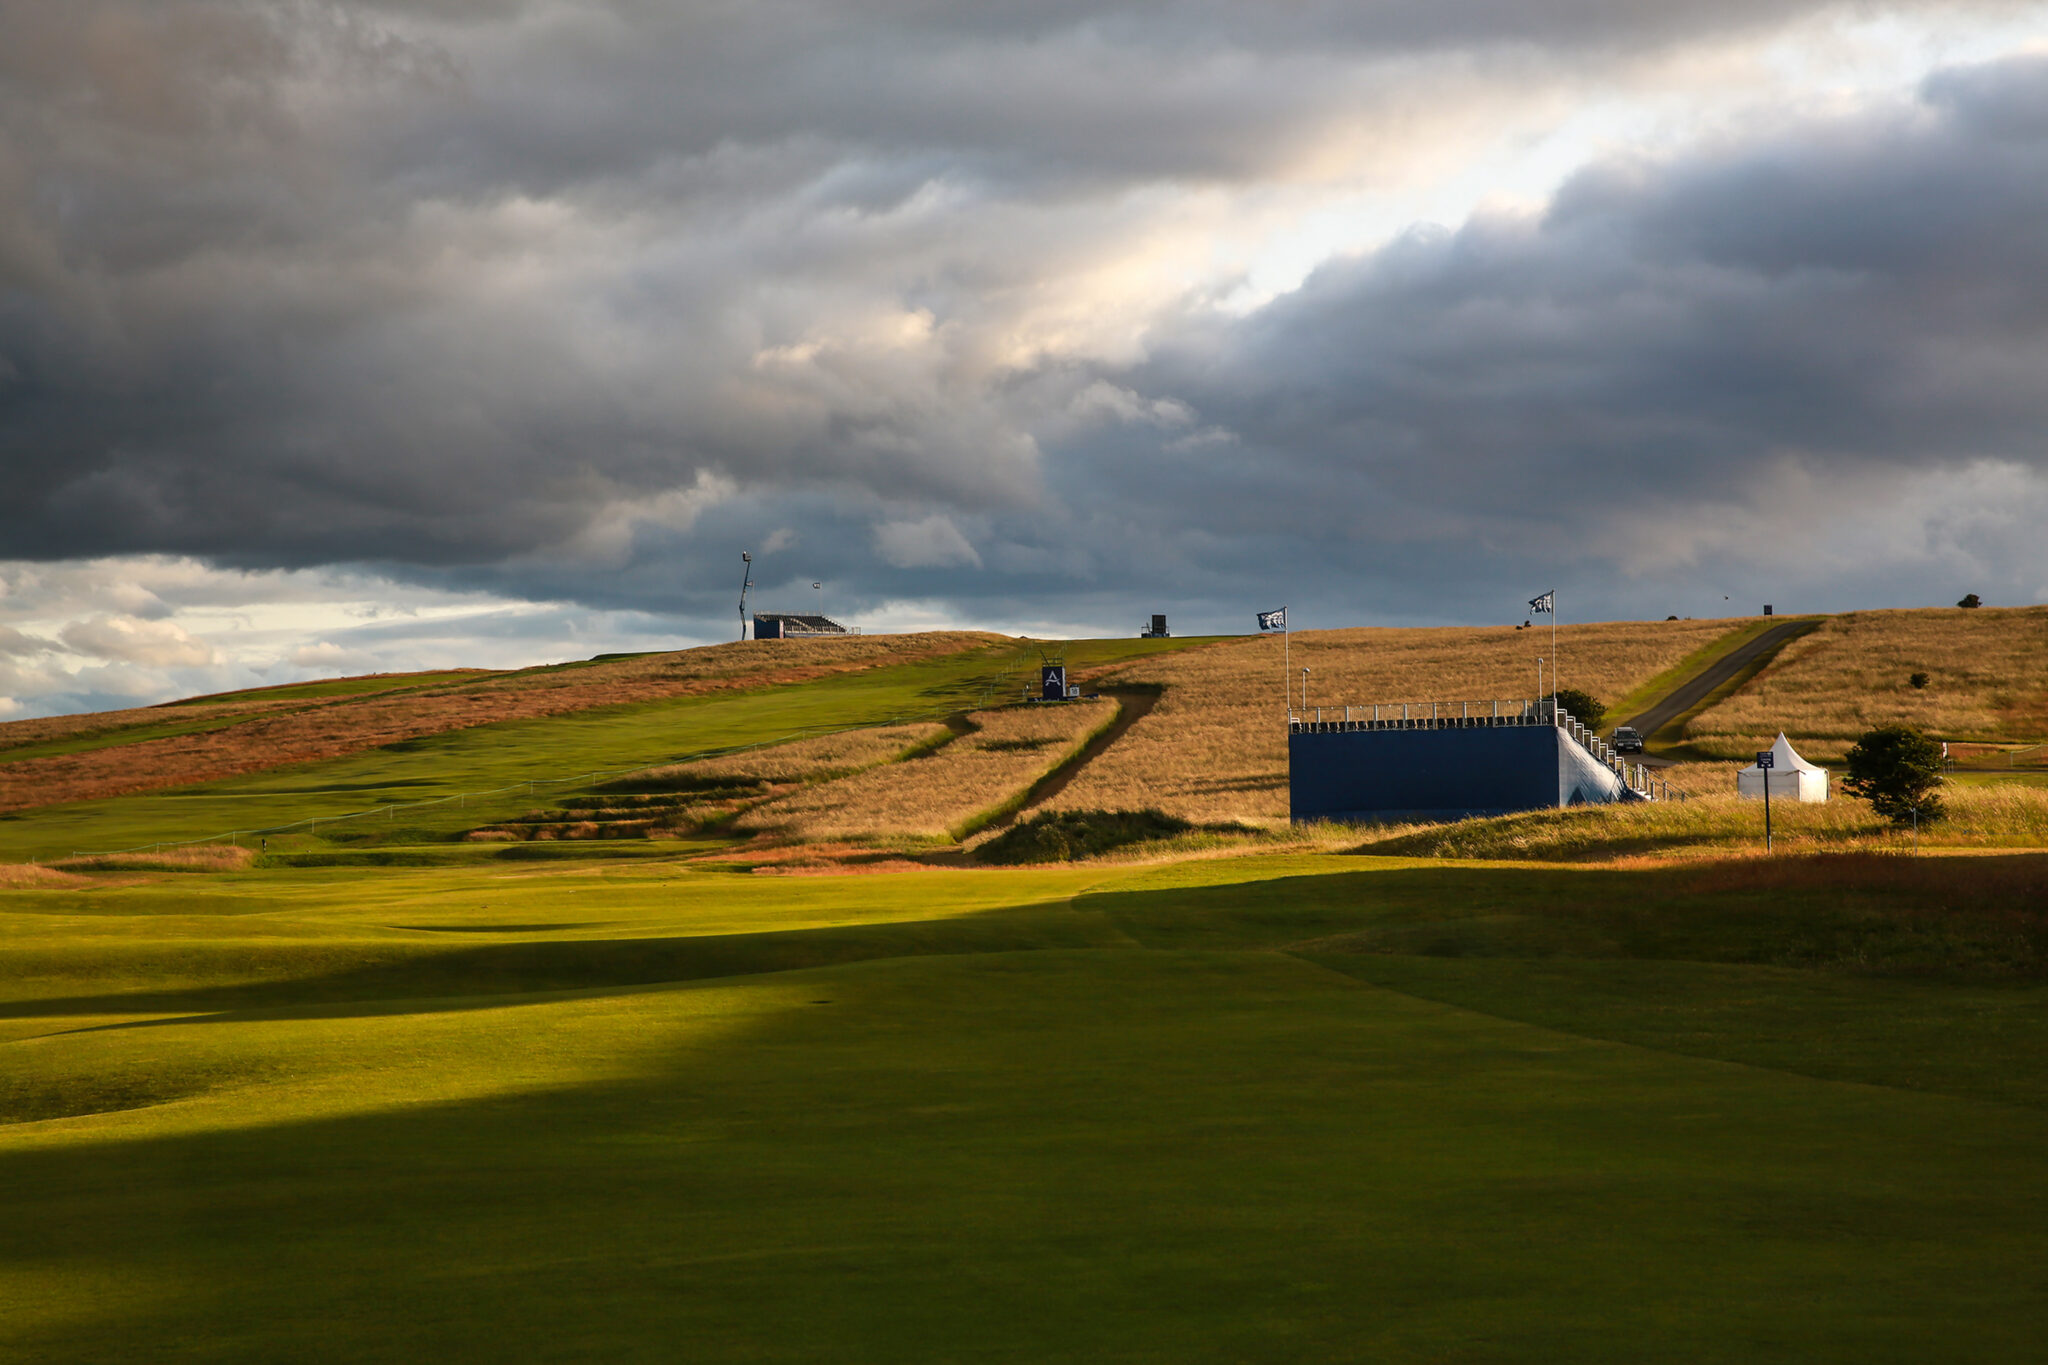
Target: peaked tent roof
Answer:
pixel 1786 759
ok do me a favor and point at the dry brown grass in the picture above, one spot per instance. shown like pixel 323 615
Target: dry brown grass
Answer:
pixel 1215 748
pixel 1720 823
pixel 937 795
pixel 198 858
pixel 666 802
pixel 330 729
pixel 31 876
pixel 809 760
pixel 1988 680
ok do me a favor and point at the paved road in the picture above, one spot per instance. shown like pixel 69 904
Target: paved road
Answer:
pixel 1695 689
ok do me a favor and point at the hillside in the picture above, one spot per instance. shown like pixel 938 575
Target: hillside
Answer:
pixel 1197 735
pixel 212 738
pixel 1987 681
pixel 1214 749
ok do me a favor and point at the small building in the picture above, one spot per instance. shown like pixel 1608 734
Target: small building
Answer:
pixel 1791 777
pixel 1157 630
pixel 790 625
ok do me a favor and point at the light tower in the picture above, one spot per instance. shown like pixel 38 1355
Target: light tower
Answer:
pixel 746 581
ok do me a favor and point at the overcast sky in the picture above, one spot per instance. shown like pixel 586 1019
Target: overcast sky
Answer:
pixel 346 337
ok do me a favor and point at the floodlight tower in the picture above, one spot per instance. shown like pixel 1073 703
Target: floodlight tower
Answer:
pixel 747 581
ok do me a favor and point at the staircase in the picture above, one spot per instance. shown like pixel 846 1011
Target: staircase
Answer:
pixel 1642 783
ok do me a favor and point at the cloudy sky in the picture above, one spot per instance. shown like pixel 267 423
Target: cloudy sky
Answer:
pixel 409 333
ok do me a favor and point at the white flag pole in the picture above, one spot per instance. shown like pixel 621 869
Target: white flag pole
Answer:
pixel 1287 661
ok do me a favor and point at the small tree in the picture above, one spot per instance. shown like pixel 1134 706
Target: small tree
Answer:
pixel 1582 705
pixel 1897 769
pixel 1919 680
pixel 1971 600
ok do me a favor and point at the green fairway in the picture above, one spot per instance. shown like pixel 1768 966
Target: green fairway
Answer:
pixel 1277 1108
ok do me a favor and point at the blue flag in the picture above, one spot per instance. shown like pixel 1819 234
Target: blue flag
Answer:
pixel 1273 620
pixel 1547 602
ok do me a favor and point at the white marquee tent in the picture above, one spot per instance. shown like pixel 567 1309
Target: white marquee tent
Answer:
pixel 1792 777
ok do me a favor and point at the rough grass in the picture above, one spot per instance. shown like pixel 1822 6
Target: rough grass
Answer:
pixel 14 876
pixel 681 798
pixel 945 793
pixel 1988 669
pixel 808 760
pixel 1987 817
pixel 1065 835
pixel 1214 749
pixel 201 858
pixel 301 731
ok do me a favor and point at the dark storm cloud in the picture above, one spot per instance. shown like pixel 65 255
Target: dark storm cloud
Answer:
pixel 573 301
pixel 1848 300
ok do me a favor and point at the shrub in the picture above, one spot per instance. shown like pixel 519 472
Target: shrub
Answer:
pixel 1582 705
pixel 1919 680
pixel 1971 600
pixel 1062 835
pixel 1897 768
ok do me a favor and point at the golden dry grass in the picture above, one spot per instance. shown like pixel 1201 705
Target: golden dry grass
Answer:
pixel 809 760
pixel 197 858
pixel 17 876
pixel 666 802
pixel 2005 816
pixel 1988 680
pixel 939 794
pixel 1215 748
pixel 332 728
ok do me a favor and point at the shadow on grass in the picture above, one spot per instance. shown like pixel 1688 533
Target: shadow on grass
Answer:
pixel 433 979
pixel 1100 1156
pixel 1982 918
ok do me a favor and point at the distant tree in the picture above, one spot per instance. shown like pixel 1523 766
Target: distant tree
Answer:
pixel 1919 680
pixel 1896 769
pixel 1971 600
pixel 1582 705
pixel 1671 618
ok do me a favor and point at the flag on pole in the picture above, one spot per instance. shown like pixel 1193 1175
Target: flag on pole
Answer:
pixel 817 585
pixel 1545 603
pixel 1273 620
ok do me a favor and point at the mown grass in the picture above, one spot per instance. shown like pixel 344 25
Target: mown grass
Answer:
pixel 1648 691
pixel 1290 1106
pixel 1258 1108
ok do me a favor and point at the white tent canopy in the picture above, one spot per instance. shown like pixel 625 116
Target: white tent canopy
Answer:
pixel 1792 778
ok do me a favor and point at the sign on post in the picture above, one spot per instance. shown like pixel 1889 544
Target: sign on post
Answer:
pixel 1765 761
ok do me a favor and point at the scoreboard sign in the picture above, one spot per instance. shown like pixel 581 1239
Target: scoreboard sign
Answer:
pixel 1052 682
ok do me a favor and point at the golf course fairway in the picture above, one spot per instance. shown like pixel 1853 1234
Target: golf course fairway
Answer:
pixel 1241 1109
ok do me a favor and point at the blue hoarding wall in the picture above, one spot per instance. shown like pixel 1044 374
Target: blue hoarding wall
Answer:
pixel 1440 774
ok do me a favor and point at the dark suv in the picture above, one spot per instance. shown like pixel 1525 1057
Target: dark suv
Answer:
pixel 1627 741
